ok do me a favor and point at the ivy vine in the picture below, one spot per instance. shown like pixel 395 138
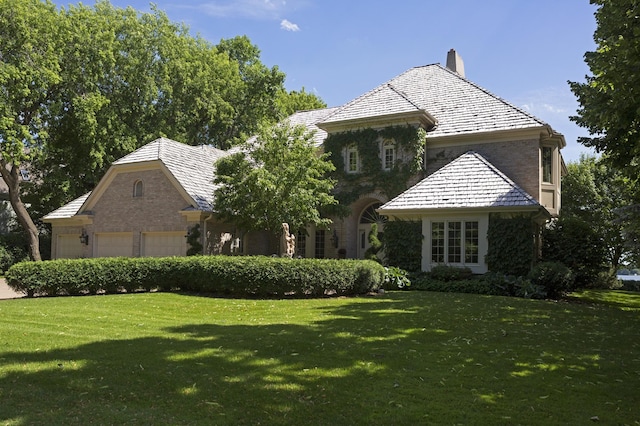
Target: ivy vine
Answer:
pixel 409 141
pixel 511 244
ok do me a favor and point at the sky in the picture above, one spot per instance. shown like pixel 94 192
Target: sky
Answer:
pixel 523 51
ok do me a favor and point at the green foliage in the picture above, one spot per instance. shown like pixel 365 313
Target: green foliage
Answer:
pixel 449 273
pixel 396 278
pixel 514 286
pixel 402 244
pixel 237 276
pixel 193 241
pixel 280 180
pixel 511 244
pixel 374 244
pixel 554 277
pixel 372 176
pixel 294 101
pixel 575 243
pixel 609 101
pixel 427 282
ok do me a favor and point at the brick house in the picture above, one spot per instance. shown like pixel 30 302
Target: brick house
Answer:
pixel 428 146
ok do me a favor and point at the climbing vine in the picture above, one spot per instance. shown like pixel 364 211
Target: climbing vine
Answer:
pixel 511 244
pixel 409 142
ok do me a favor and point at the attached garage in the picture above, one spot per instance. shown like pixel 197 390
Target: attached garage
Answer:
pixel 68 246
pixel 160 244
pixel 114 244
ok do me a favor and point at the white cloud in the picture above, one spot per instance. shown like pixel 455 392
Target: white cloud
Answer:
pixel 289 26
pixel 253 9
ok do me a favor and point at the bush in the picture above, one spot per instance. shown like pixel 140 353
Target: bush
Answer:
pixel 450 273
pixel 514 286
pixel 396 278
pixel 426 282
pixel 554 277
pixel 237 276
pixel 6 259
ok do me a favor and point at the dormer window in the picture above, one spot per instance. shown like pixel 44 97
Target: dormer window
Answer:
pixel 388 154
pixel 138 189
pixel 353 161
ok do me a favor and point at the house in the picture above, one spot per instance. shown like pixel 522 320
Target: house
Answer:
pixel 427 146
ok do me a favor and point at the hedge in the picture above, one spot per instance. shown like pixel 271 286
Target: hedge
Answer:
pixel 238 276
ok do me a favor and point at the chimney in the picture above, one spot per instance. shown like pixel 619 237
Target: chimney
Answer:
pixel 454 62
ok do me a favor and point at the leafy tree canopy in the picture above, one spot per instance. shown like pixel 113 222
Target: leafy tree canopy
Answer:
pixel 83 86
pixel 610 97
pixel 278 178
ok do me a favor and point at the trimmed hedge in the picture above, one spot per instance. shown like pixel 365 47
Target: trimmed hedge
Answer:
pixel 237 276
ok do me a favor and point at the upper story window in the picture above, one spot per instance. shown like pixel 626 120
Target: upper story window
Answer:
pixel 353 161
pixel 388 154
pixel 138 189
pixel 547 164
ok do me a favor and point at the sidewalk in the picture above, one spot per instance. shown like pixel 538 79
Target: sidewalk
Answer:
pixel 6 292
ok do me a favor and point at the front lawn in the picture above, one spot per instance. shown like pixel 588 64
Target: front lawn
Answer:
pixel 399 358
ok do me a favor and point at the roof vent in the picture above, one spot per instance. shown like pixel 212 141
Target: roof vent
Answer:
pixel 454 62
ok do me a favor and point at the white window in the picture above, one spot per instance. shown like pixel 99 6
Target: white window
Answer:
pixel 388 154
pixel 353 162
pixel 138 189
pixel 455 242
pixel 547 164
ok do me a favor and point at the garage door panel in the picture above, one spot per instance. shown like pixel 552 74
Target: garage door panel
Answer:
pixel 114 245
pixel 68 246
pixel 161 244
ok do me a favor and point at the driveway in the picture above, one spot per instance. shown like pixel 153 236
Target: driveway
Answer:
pixel 6 292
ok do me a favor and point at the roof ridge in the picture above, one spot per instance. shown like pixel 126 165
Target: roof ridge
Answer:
pixel 403 95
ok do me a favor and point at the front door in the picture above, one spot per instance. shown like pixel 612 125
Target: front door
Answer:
pixel 368 217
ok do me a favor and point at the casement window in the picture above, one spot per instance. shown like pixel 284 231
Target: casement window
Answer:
pixel 547 164
pixel 388 154
pixel 138 189
pixel 455 242
pixel 301 244
pixel 353 160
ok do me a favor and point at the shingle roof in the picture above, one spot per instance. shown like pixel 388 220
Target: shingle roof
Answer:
pixel 69 209
pixel 310 119
pixel 458 105
pixel 192 166
pixel 469 181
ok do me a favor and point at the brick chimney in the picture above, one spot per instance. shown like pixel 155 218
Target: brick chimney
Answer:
pixel 454 62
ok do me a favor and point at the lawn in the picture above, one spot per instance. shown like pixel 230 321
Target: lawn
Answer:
pixel 398 358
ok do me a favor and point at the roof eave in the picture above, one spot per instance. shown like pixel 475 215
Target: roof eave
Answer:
pixel 448 210
pixel 422 117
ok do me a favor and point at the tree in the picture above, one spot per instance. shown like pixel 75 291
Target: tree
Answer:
pixel 83 86
pixel 293 101
pixel 610 97
pixel 279 178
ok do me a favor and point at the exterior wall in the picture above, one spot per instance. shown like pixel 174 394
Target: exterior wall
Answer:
pixel 158 209
pixel 519 160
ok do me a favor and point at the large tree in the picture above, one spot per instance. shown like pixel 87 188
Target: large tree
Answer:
pixel 279 177
pixel 610 97
pixel 83 86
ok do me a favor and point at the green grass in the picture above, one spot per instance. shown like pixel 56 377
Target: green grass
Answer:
pixel 399 358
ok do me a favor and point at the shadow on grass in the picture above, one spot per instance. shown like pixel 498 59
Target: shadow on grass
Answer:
pixel 400 359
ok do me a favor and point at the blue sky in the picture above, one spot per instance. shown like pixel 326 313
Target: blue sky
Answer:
pixel 524 51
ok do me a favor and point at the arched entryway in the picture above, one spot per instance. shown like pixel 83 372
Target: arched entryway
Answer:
pixel 368 217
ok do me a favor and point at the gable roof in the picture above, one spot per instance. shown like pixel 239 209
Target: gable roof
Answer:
pixel 191 166
pixel 469 181
pixel 457 104
pixel 310 119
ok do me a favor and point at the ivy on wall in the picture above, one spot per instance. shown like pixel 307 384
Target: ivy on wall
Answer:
pixel 402 244
pixel 511 244
pixel 409 142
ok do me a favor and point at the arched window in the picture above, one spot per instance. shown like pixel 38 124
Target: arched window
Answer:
pixel 138 189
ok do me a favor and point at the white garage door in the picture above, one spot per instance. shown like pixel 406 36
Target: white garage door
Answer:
pixel 159 244
pixel 68 246
pixel 114 244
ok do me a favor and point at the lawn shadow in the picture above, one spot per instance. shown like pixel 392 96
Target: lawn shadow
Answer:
pixel 395 359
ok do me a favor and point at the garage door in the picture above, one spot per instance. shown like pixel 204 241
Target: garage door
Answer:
pixel 159 244
pixel 68 246
pixel 114 244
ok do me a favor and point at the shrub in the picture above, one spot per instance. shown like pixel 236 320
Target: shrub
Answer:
pixel 402 244
pixel 396 278
pixel 6 259
pixel 426 282
pixel 450 273
pixel 554 277
pixel 514 286
pixel 237 276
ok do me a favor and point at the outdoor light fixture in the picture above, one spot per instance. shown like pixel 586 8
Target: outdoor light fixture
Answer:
pixel 84 238
pixel 334 239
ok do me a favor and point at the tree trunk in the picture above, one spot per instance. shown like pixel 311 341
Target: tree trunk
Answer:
pixel 12 180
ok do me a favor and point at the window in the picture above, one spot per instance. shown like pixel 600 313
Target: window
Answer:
pixel 319 244
pixel 388 154
pixel 547 164
pixel 455 242
pixel 24 174
pixel 301 244
pixel 138 189
pixel 353 163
